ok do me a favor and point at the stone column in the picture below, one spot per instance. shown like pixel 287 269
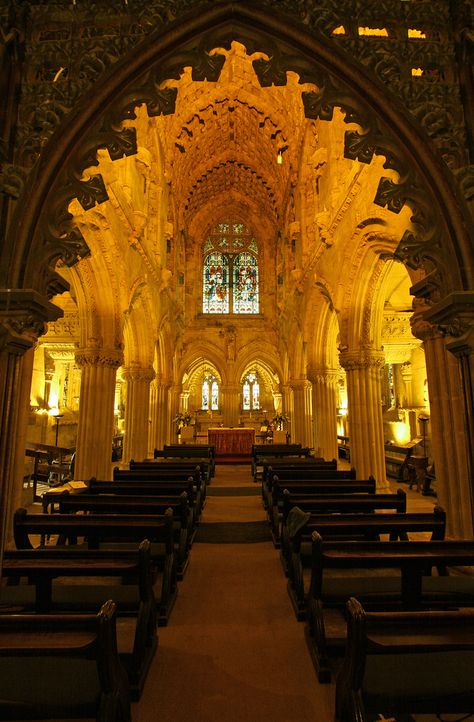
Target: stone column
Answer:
pixel 325 412
pixel 231 404
pixel 135 439
pixel 23 314
pixel 301 419
pixel 451 395
pixel 159 413
pixel 364 396
pixel 96 411
pixel 174 407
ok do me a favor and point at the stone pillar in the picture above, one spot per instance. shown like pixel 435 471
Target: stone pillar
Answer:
pixel 325 412
pixel 135 439
pixel 301 419
pixel 23 314
pixel 174 407
pixel 96 411
pixel 159 414
pixel 364 396
pixel 231 404
pixel 451 395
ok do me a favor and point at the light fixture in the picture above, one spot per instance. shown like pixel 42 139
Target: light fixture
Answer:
pixel 279 157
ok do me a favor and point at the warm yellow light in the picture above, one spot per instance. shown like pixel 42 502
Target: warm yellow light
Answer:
pixel 53 411
pixel 417 72
pixel 279 158
pixel 375 32
pixel 340 30
pixel 414 33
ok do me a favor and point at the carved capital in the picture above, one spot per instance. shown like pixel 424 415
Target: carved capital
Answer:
pixel 94 355
pixel 454 317
pixel 138 374
pixel 361 359
pixel 23 317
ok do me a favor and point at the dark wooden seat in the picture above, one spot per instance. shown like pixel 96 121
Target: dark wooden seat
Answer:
pixel 397 460
pixel 411 662
pixel 267 451
pixel 172 464
pixel 110 533
pixel 343 447
pixel 130 585
pixel 183 525
pixel 296 547
pixel 317 471
pixel 183 451
pixel 341 488
pixel 160 474
pixel 154 487
pixel 383 575
pixel 62 666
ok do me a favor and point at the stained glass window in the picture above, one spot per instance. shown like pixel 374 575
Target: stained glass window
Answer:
pixel 250 392
pixel 245 286
pixel 216 284
pixel 230 270
pixel 210 393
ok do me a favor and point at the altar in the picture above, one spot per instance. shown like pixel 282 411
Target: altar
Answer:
pixel 232 441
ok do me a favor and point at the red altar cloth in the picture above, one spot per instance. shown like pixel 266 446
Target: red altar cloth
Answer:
pixel 232 442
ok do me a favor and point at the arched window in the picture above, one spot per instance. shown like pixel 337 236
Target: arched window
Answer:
pixel 230 282
pixel 250 392
pixel 210 393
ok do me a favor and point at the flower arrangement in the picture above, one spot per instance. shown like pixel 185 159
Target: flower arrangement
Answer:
pixel 278 421
pixel 182 420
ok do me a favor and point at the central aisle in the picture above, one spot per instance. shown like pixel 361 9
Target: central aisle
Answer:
pixel 233 651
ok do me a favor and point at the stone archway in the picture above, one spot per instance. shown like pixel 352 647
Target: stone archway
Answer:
pixel 439 242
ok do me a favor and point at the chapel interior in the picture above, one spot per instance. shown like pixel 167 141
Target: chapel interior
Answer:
pixel 238 216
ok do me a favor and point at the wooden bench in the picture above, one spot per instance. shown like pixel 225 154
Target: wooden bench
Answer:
pixel 149 488
pixel 316 472
pixel 343 447
pixel 159 475
pixel 110 532
pixel 183 526
pixel 133 594
pixel 267 451
pixel 406 662
pixel 62 666
pixel 383 575
pixel 316 488
pixel 397 460
pixel 179 451
pixel 297 538
pixel 175 464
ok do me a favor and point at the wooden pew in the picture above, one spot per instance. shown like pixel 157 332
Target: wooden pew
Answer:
pixel 184 451
pixel 62 666
pixel 327 488
pixel 136 605
pixel 262 451
pixel 110 532
pixel 162 475
pixel 293 475
pixel 175 464
pixel 297 546
pixel 406 662
pixel 397 460
pixel 149 488
pixel 383 575
pixel 183 526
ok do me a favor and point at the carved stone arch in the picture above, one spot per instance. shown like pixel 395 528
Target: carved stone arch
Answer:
pixel 321 328
pixel 138 326
pixel 42 231
pixel 199 352
pixel 261 354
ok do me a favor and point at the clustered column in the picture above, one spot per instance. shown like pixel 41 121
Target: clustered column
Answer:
pixel 302 410
pixel 96 412
pixel 324 412
pixel 364 394
pixel 448 428
pixel 159 415
pixel 135 442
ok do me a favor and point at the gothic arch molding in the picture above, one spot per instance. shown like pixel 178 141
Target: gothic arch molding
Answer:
pixel 425 183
